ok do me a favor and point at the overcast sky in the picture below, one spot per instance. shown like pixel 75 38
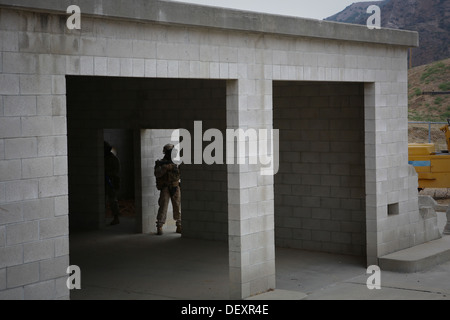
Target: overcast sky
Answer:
pixel 314 9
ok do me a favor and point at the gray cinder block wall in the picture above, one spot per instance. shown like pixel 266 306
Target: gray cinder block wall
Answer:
pixel 320 188
pixel 39 58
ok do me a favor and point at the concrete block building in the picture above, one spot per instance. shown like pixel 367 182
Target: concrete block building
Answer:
pixel 139 69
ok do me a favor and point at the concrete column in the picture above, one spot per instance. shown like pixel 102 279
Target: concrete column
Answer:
pixel 393 219
pixel 148 192
pixel 371 174
pixel 137 179
pixel 250 205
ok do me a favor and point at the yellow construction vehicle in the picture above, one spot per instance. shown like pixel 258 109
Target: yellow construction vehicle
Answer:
pixel 432 167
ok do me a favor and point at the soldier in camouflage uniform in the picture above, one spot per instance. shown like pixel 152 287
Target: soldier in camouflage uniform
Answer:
pixel 168 177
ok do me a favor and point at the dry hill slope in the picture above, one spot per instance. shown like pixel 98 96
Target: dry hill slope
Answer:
pixel 431 18
pixel 428 78
pixel 431 77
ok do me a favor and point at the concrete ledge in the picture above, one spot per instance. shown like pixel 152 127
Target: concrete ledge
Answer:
pixel 417 258
pixel 212 17
pixel 279 295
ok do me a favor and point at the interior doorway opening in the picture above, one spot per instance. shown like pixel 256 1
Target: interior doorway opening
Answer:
pixel 142 113
pixel 122 143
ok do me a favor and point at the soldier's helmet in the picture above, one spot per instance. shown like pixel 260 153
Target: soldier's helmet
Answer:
pixel 168 147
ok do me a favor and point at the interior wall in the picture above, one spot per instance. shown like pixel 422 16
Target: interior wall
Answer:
pixel 85 163
pixel 96 103
pixel 320 187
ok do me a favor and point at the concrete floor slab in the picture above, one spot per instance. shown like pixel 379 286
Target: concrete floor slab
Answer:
pixel 279 295
pixel 117 264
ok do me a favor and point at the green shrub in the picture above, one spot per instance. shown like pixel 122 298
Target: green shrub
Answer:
pixel 445 86
pixel 432 72
pixel 438 101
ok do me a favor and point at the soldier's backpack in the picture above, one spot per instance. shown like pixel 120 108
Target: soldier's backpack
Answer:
pixel 170 179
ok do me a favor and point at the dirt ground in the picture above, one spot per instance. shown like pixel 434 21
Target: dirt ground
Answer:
pixel 429 78
pixel 418 133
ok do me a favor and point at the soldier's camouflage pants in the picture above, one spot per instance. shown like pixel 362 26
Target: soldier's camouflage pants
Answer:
pixel 164 198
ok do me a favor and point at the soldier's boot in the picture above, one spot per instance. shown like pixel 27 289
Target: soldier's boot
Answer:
pixel 179 229
pixel 159 230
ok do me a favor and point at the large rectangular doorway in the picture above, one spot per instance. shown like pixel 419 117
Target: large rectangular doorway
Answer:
pixel 320 188
pixel 142 112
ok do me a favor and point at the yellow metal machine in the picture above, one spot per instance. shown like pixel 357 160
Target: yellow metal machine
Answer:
pixel 432 167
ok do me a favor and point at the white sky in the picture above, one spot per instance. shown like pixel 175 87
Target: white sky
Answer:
pixel 314 9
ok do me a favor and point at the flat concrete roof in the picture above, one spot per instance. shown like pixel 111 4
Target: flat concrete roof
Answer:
pixel 172 12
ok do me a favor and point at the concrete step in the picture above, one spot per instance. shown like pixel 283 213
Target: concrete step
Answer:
pixel 417 258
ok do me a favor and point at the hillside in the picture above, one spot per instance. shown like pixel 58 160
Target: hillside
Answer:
pixel 356 12
pixel 431 77
pixel 431 18
pixel 428 78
